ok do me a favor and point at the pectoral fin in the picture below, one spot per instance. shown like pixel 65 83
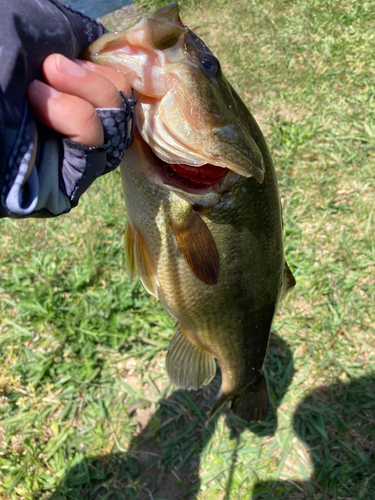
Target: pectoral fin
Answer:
pixel 138 259
pixel 198 246
pixel 188 365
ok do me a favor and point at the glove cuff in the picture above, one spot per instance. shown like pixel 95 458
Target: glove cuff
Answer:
pixel 83 164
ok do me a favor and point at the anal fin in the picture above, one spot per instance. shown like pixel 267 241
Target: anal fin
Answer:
pixel 188 365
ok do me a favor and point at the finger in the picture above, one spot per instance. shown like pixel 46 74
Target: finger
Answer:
pixel 69 115
pixel 118 79
pixel 68 77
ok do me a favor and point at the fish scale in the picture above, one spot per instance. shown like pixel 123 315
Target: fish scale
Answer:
pixel 213 254
pixel 241 291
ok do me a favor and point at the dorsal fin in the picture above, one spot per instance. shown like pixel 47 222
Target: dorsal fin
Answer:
pixel 198 246
pixel 289 278
pixel 289 281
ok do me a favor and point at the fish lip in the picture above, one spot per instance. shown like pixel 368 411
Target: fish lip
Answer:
pixel 158 172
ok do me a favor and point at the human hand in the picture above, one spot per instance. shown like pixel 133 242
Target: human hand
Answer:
pixel 66 102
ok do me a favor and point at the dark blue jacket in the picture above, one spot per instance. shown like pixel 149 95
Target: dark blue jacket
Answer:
pixel 30 30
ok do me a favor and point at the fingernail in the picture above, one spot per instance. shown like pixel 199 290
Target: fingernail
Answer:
pixel 85 64
pixel 68 67
pixel 44 90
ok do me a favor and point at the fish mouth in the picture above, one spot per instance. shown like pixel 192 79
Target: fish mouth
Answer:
pixel 193 179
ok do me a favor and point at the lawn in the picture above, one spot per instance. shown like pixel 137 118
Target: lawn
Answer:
pixel 86 409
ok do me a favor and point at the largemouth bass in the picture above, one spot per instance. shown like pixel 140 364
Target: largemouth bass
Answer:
pixel 204 227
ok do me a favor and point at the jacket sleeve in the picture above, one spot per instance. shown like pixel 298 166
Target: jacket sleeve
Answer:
pixel 42 175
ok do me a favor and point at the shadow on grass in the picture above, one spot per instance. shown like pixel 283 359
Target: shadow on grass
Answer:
pixel 337 423
pixel 163 461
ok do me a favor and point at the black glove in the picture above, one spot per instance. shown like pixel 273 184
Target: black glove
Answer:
pixel 30 30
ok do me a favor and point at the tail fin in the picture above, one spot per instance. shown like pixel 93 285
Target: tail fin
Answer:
pixel 220 399
pixel 253 403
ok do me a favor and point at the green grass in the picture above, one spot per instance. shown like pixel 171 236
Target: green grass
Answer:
pixel 86 409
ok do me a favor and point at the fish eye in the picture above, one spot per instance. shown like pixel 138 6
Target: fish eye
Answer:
pixel 210 63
